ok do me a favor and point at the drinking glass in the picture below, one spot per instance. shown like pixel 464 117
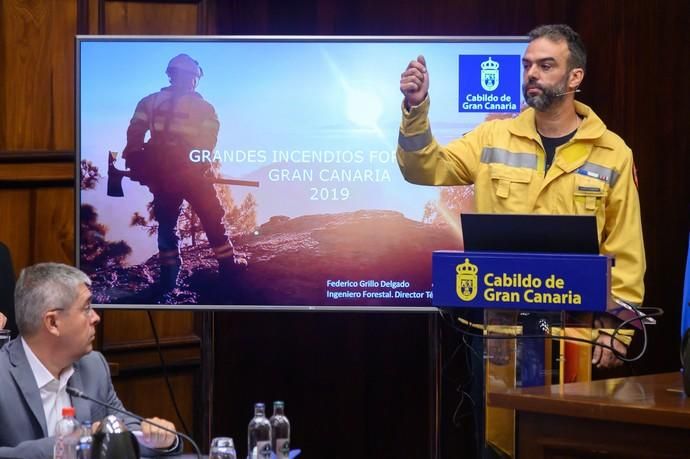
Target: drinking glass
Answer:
pixel 222 448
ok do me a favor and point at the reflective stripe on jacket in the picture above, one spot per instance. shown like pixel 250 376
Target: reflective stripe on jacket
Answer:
pixel 592 174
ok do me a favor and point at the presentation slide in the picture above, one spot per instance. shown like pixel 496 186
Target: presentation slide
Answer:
pixel 296 138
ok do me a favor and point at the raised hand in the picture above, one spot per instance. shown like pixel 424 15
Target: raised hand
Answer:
pixel 414 82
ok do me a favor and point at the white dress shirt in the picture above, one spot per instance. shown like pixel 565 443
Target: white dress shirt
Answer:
pixel 54 394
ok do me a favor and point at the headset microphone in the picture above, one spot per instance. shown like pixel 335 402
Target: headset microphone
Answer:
pixel 568 92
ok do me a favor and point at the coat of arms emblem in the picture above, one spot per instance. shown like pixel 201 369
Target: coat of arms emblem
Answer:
pixel 490 75
pixel 466 280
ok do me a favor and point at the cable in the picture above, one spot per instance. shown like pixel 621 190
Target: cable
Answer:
pixel 470 348
pixel 464 395
pixel 464 416
pixel 165 373
pixel 457 417
pixel 445 366
pixel 640 316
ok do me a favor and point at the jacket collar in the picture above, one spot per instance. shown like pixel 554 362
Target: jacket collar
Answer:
pixel 25 380
pixel 592 128
pixel 20 369
pixel 81 407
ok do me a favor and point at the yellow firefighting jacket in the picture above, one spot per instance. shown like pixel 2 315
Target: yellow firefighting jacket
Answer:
pixel 592 174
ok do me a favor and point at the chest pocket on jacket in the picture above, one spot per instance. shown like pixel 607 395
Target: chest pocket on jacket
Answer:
pixel 589 195
pixel 510 186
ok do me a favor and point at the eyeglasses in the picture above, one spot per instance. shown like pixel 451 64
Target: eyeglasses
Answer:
pixel 86 310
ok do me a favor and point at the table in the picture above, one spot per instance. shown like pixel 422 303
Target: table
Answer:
pixel 636 417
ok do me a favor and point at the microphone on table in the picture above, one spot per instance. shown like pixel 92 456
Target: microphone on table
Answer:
pixel 80 394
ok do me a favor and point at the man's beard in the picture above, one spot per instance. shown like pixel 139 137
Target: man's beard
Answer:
pixel 550 95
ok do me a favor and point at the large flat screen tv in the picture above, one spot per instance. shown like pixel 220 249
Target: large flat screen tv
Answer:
pixel 313 121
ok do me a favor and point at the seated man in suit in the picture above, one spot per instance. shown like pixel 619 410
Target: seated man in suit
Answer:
pixel 54 350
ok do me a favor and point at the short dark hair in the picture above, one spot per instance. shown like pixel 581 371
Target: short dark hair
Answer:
pixel 558 32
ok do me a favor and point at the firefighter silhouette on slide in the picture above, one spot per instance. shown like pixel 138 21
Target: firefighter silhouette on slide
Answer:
pixel 179 120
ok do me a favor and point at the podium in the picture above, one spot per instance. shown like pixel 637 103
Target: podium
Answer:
pixel 524 300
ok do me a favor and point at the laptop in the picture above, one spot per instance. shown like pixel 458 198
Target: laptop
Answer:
pixel 530 233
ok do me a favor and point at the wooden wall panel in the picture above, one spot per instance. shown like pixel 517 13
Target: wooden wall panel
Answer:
pixel 37 198
pixel 37 206
pixel 92 7
pixel 354 384
pixel 140 357
pixel 36 88
pixel 127 340
pixel 15 209
pixel 53 227
pixel 150 18
pixel 35 171
pixel 138 329
pixel 653 119
pixel 150 394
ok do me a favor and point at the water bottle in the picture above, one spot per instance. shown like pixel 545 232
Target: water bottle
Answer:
pixel 67 433
pixel 259 434
pixel 280 431
pixel 84 448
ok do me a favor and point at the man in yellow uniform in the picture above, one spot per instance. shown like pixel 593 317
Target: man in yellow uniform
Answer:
pixel 556 157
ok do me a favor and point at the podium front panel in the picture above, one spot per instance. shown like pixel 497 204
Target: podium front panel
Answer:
pixel 531 281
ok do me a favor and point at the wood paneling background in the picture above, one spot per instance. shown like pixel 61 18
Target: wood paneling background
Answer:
pixel 37 207
pixel 37 85
pixel 345 375
pixel 37 170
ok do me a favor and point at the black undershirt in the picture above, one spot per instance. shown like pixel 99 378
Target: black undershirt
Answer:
pixel 550 144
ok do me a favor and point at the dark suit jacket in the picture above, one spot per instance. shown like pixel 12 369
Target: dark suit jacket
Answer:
pixel 23 432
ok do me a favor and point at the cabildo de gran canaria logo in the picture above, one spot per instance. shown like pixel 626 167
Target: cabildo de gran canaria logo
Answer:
pixel 466 280
pixel 489 83
pixel 496 286
pixel 490 75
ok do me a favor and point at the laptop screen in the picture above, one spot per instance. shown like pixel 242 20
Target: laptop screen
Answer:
pixel 530 233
